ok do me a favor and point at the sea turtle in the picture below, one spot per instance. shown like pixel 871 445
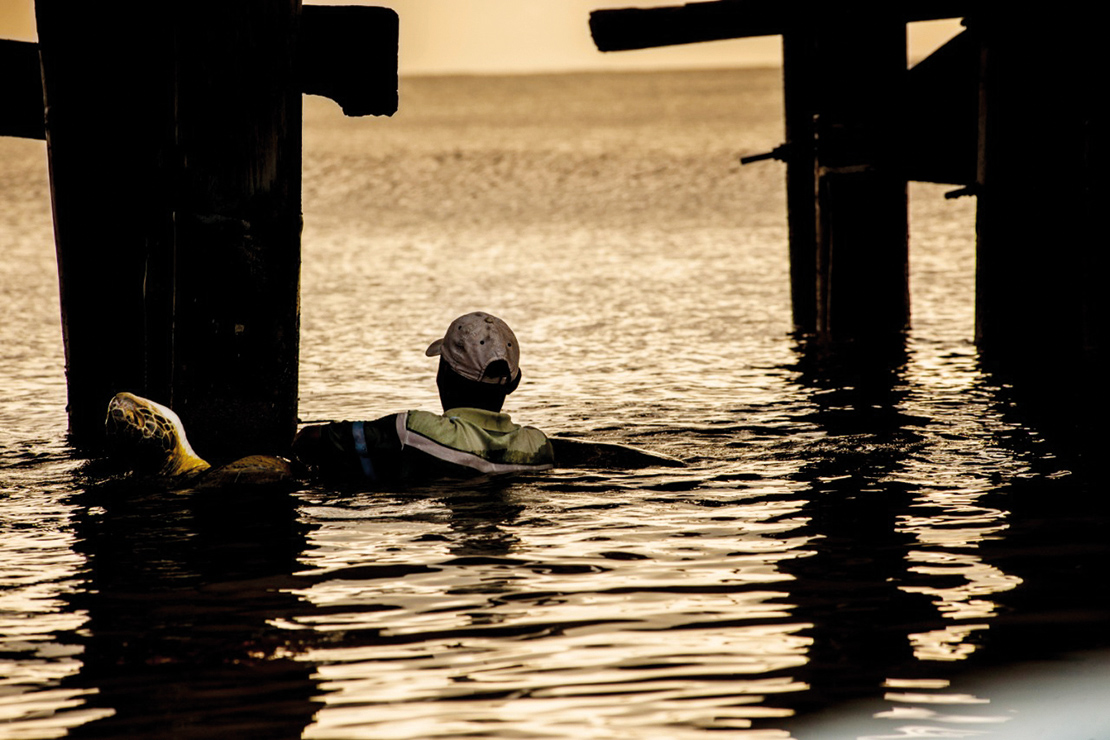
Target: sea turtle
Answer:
pixel 150 438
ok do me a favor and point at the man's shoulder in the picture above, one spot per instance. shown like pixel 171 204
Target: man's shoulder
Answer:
pixel 450 422
pixel 485 433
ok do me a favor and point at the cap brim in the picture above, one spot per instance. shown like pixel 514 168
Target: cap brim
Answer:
pixel 434 348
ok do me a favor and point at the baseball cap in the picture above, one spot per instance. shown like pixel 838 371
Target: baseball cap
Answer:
pixel 475 341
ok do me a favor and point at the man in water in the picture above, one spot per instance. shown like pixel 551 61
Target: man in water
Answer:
pixel 478 366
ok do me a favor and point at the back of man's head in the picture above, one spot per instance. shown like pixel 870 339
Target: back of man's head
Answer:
pixel 456 391
pixel 479 362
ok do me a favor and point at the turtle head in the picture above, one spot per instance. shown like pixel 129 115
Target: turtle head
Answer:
pixel 149 437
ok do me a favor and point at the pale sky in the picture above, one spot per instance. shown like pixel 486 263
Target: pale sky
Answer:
pixel 493 36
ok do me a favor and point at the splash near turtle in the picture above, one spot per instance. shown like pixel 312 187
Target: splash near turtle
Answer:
pixel 150 439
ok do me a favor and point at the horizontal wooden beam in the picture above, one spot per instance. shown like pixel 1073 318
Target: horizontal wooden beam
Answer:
pixel 346 53
pixel 623 29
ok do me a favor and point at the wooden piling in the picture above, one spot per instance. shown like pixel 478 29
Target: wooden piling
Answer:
pixel 799 68
pixel 174 138
pixel 238 222
pixel 1041 308
pixel 862 213
pixel 105 68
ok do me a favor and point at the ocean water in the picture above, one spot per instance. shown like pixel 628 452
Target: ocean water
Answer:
pixel 854 549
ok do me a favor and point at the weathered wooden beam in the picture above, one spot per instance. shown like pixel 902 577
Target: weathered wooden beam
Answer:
pixel 21 109
pixel 623 29
pixel 346 53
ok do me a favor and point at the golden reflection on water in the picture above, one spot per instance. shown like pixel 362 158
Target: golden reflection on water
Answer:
pixel 38 569
pixel 964 601
pixel 958 525
pixel 595 622
pixel 933 713
pixel 950 523
pixel 588 605
pixel 949 643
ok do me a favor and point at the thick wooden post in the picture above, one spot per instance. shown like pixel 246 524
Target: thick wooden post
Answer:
pixel 1041 300
pixel 862 261
pixel 105 68
pixel 799 95
pixel 238 221
pixel 174 132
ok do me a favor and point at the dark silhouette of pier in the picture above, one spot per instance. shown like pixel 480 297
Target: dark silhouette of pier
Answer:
pixel 174 138
pixel 1010 112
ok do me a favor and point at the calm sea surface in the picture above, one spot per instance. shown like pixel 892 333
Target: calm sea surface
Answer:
pixel 853 551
